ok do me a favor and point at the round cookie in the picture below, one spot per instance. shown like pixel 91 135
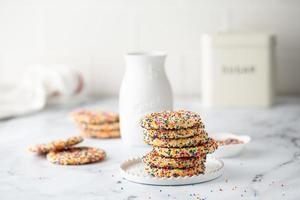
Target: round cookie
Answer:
pixel 196 140
pixel 98 117
pixel 174 134
pixel 152 159
pixel 167 173
pixel 100 127
pixel 56 145
pixel 100 134
pixel 76 156
pixel 196 151
pixel 171 120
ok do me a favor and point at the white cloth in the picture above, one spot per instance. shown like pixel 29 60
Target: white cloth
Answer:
pixel 39 86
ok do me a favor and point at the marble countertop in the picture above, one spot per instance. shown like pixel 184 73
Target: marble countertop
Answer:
pixel 269 168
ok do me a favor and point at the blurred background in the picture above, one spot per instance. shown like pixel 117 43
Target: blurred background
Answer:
pixel 93 35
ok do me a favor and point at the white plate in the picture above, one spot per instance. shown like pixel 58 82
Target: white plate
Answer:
pixel 230 150
pixel 133 170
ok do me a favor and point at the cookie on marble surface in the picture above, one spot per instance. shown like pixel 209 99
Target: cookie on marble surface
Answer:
pixel 174 134
pixel 96 117
pixel 171 120
pixel 100 127
pixel 76 156
pixel 100 134
pixel 155 160
pixel 199 138
pixel 196 151
pixel 167 173
pixel 56 145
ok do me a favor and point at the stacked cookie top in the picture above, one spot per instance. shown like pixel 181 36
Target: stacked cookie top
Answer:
pixel 171 120
pixel 98 124
pixel 180 143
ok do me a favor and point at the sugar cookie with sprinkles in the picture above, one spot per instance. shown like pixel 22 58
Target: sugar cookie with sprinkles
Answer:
pixel 77 156
pixel 154 160
pixel 100 134
pixel 100 127
pixel 185 152
pixel 167 173
pixel 195 140
pixel 174 134
pixel 56 145
pixel 171 120
pixel 97 117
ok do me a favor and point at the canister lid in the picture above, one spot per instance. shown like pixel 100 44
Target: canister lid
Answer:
pixel 235 39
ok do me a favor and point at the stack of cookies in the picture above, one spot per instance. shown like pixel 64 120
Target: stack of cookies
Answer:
pixel 180 144
pixel 97 124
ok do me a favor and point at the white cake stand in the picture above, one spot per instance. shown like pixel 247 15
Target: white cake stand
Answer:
pixel 133 170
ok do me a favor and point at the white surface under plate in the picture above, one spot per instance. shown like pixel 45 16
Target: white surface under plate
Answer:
pixel 133 170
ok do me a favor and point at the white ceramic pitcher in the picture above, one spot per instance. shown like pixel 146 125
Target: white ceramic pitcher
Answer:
pixel 145 89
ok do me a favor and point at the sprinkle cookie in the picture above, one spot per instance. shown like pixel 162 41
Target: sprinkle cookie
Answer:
pixel 164 172
pixel 76 156
pixel 99 117
pixel 56 145
pixel 174 134
pixel 171 120
pixel 196 151
pixel 196 140
pixel 101 134
pixel 152 159
pixel 100 127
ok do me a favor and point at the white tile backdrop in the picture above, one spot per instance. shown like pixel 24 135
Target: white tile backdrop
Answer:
pixel 93 35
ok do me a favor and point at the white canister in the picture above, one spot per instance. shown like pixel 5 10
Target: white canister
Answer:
pixel 237 69
pixel 145 89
